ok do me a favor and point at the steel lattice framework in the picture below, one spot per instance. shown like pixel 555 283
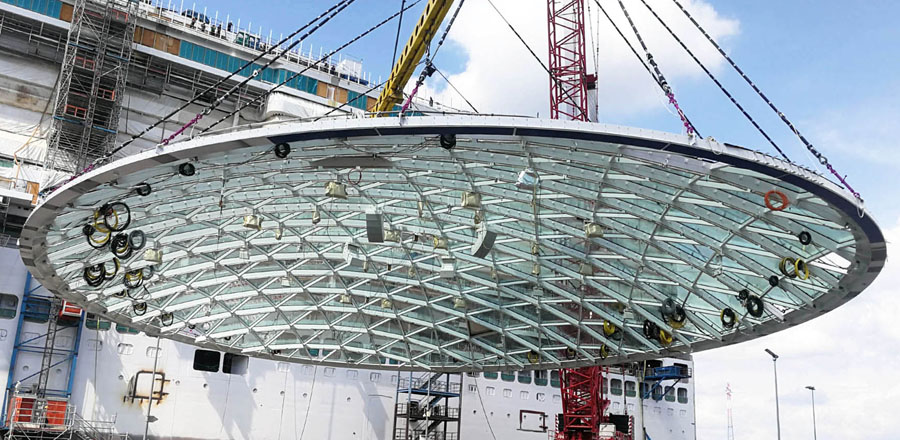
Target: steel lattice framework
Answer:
pixel 672 218
pixel 568 66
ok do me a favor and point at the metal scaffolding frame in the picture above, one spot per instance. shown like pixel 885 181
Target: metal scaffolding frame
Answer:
pixel 92 83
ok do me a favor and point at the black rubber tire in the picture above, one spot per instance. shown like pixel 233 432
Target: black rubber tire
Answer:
pixel 651 330
pixel 282 150
pixel 143 189
pixel 773 280
pixel 187 169
pixel 743 295
pixel 133 284
pixel 755 306
pixel 120 247
pixel 805 238
pixel 728 318
pixel 94 276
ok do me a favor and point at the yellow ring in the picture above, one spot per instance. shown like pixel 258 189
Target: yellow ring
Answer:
pixel 609 328
pixel 665 337
pixel 102 241
pixel 805 275
pixel 675 324
pixel 533 357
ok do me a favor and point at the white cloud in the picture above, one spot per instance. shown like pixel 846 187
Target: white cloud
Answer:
pixel 850 355
pixel 500 76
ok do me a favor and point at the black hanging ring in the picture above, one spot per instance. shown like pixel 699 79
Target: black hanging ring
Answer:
pixel 187 169
pixel 728 317
pixel 773 281
pixel 136 239
pixel 755 306
pixel 805 238
pixel 743 295
pixel 139 308
pixel 679 315
pixel 114 212
pixel 143 189
pixel 282 150
pixel 166 319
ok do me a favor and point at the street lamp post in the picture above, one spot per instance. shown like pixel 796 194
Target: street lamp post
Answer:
pixel 812 390
pixel 777 409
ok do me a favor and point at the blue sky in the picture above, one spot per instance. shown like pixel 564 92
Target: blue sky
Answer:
pixel 830 65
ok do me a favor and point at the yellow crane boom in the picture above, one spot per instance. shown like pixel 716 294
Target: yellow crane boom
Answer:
pixel 426 28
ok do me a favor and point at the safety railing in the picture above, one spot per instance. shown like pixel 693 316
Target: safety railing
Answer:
pixel 418 434
pixel 31 413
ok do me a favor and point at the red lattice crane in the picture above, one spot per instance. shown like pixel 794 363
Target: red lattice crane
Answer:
pixel 582 395
pixel 569 78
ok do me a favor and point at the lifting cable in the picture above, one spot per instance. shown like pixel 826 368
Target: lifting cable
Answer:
pixel 660 78
pixel 627 43
pixel 821 158
pixel 455 89
pixel 429 68
pixel 297 75
pixel 716 81
pixel 255 73
pixel 541 62
pixel 341 4
pixel 399 29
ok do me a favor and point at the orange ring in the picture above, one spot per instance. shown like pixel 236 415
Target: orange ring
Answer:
pixel 784 200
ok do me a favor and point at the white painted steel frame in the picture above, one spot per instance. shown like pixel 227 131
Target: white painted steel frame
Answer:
pixel 683 219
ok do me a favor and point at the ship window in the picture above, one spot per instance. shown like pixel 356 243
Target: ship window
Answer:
pixel 126 330
pixel 670 395
pixel 507 376
pixel 540 377
pixel 235 364
pixel 615 387
pixel 93 322
pixel 36 310
pixel 523 395
pixel 525 377
pixel 554 378
pixel 630 389
pixel 352 374
pixel 540 397
pixel 557 398
pixel 329 371
pixel 492 375
pixel 507 393
pixel 204 360
pixel 490 391
pixel 682 395
pixel 472 374
pixel 658 393
pixel 8 305
pixel 374 377
pixel 473 388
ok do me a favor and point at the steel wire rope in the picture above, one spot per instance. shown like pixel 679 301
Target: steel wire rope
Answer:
pixel 253 76
pixel 533 54
pixel 821 158
pixel 429 68
pixel 456 90
pixel 399 29
pixel 660 78
pixel 231 75
pixel 716 81
pixel 296 75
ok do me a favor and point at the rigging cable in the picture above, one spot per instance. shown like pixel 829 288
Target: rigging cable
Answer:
pixel 253 75
pixel 455 89
pixel 341 3
pixel 483 411
pixel 541 62
pixel 399 28
pixel 822 159
pixel 296 75
pixel 659 76
pixel 716 81
pixel 429 68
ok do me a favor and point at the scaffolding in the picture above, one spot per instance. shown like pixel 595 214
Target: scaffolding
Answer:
pixel 428 408
pixel 92 83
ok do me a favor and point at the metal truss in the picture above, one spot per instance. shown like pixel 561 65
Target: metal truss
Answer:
pixel 668 220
